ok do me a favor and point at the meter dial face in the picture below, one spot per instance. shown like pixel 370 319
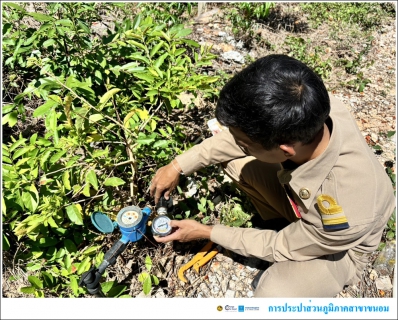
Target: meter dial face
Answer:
pixel 129 218
pixel 161 226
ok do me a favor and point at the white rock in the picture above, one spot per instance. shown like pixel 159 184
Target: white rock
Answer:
pixel 373 275
pixel 383 283
pixel 143 295
pixel 160 294
pixel 233 55
pixel 230 294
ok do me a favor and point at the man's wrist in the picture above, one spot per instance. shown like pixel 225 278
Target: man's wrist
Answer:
pixel 207 231
pixel 176 166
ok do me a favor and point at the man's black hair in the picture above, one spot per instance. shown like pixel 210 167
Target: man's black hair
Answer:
pixel 275 100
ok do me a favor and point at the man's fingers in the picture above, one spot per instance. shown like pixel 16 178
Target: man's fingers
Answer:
pixel 168 238
pixel 174 223
pixel 167 194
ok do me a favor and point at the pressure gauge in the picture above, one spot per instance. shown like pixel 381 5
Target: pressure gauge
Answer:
pixel 161 226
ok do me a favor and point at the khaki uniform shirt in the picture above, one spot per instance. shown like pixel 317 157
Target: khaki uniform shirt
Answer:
pixel 344 197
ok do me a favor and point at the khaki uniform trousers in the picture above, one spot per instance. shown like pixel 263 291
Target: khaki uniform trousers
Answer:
pixel 322 277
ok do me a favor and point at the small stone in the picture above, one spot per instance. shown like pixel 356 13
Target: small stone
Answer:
pixel 143 295
pixel 373 275
pixel 383 283
pixel 160 294
pixel 230 294
pixel 251 269
pixel 224 284
pixel 233 55
pixel 250 294
pixel 374 137
pixel 215 289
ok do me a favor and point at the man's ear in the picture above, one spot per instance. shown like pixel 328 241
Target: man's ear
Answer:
pixel 288 150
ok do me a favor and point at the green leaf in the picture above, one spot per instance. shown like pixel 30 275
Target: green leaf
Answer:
pixel 57 156
pixel 156 48
pixel 6 243
pixel 106 286
pixel 191 43
pixel 182 33
pixel 113 182
pixel 144 139
pixel 51 120
pixel 74 285
pixel 20 162
pixel 201 208
pixel 29 202
pixel 129 66
pixel 140 57
pixel 22 151
pixel 15 6
pixel 48 43
pixel 66 180
pixel 116 291
pixel 34 267
pixel 84 265
pixel 40 17
pixel 179 51
pixel 10 118
pixel 70 246
pixel 36 282
pixel 91 177
pixel 3 205
pixel 47 242
pixel 155 280
pixel 147 286
pixel 64 22
pixel 48 279
pixel 137 44
pixel 144 76
pixel 61 252
pixel 91 250
pixel 82 25
pixel 16 144
pixel 104 99
pixel 28 290
pixel 74 214
pixel 161 144
pixel 31 39
pixel 95 117
pixel 136 21
pixel 86 190
pixel 148 263
pixel 67 261
pixel 160 60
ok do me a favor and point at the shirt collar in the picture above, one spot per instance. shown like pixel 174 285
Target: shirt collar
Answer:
pixel 311 174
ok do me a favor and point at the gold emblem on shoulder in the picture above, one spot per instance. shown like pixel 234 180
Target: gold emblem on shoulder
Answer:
pixel 332 215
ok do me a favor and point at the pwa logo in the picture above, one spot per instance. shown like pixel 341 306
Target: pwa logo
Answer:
pixel 230 308
pixel 241 308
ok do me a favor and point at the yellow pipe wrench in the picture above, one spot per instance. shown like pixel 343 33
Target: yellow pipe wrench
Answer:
pixel 200 259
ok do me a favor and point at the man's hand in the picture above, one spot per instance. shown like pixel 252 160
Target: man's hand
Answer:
pixel 165 180
pixel 186 230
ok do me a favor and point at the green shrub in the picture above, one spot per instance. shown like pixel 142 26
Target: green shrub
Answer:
pixel 103 101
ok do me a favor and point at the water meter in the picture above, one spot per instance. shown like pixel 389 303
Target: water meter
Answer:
pixel 131 221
